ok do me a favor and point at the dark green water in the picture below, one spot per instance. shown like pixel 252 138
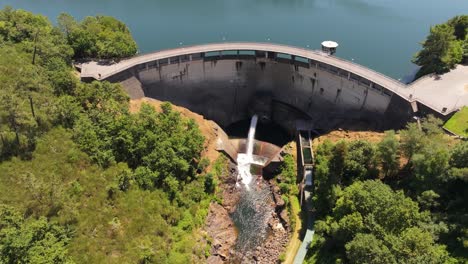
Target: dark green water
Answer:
pixel 381 34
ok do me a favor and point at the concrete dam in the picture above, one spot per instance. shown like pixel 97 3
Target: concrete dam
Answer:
pixel 302 91
pixel 229 82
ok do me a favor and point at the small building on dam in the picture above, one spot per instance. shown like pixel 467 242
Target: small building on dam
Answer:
pixel 228 82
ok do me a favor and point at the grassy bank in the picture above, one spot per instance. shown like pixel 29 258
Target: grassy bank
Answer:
pixel 458 124
pixel 295 242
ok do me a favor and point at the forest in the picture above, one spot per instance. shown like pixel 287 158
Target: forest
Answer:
pixel 83 180
pixel 401 200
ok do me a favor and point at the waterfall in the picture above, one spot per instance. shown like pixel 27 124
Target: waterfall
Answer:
pixel 251 136
pixel 244 160
pixel 253 210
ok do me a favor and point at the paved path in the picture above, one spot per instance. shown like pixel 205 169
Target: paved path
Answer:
pixel 294 242
pixel 309 235
pixel 306 143
pixel 450 92
pixel 444 91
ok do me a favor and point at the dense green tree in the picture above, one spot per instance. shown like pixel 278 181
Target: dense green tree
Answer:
pixel 465 49
pixel 324 182
pixel 30 240
pixel 388 153
pixel 62 183
pixel 24 108
pixel 60 76
pixel 417 246
pixel 67 24
pixel 338 161
pixel 341 164
pixel 435 50
pixel 134 183
pixel 430 166
pixel 460 26
pixel 210 183
pixel 428 200
pixel 412 140
pixel 387 211
pixel 20 25
pixel 34 63
pixel 33 34
pixel 350 225
pixel 443 47
pixel 373 224
pixel 361 162
pixel 67 111
pixel 287 178
pixel 453 199
pixel 98 37
pixel 367 249
pixel 459 155
pixel 453 55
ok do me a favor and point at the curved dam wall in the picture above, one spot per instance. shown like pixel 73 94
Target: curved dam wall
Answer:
pixel 230 85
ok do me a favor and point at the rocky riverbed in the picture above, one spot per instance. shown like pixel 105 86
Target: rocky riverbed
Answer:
pixel 223 233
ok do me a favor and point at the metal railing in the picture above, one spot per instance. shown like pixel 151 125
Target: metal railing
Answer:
pixel 395 86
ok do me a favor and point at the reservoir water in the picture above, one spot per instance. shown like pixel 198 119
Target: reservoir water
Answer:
pixel 380 34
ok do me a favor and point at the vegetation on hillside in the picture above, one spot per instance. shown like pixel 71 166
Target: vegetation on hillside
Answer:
pixel 402 200
pixel 445 46
pixel 82 179
pixel 286 181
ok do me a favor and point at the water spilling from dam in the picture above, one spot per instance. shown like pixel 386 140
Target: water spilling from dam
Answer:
pixel 244 161
pixel 253 210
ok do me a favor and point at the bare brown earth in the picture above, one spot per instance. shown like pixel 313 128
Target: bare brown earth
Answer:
pixel 337 135
pixel 220 228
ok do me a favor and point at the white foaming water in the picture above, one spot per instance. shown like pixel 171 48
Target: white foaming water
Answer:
pixel 244 160
pixel 251 137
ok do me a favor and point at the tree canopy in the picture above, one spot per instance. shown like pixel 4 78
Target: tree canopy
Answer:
pixel 401 200
pixel 30 240
pixel 371 212
pixel 97 37
pixel 82 179
pixel 445 46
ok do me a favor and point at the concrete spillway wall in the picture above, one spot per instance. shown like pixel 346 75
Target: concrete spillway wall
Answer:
pixel 228 82
pixel 227 89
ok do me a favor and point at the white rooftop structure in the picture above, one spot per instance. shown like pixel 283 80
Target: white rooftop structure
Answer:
pixel 329 47
pixel 330 44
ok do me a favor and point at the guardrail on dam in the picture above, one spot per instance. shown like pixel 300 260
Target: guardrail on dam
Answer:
pixel 227 82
